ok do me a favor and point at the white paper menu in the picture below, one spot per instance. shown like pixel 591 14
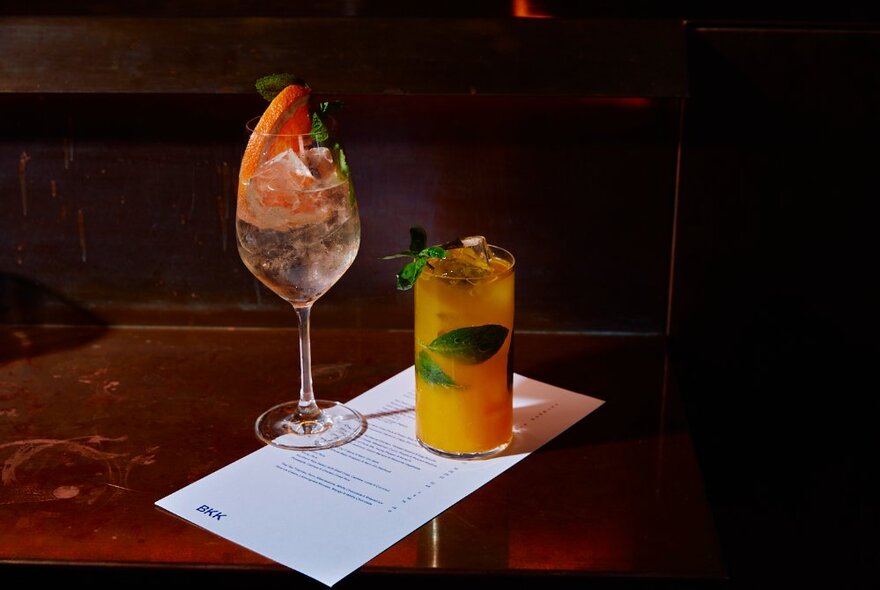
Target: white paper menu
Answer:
pixel 326 513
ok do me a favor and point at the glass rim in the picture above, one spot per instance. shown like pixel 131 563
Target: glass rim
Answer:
pixel 505 254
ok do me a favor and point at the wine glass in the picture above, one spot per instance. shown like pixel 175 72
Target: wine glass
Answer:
pixel 298 231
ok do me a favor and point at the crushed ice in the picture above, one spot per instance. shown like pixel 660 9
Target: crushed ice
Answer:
pixel 296 189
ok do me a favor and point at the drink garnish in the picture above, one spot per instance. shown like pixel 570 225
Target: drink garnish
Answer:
pixel 459 259
pixel 270 86
pixel 471 345
pixel 322 134
pixel 288 116
pixel 420 255
pixel 431 372
pixel 319 128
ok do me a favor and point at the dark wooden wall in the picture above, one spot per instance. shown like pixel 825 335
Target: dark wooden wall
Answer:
pixel 121 139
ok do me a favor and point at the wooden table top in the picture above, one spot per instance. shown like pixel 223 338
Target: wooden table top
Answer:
pixel 96 424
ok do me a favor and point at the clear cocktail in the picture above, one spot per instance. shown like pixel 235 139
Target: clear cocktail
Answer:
pixel 298 231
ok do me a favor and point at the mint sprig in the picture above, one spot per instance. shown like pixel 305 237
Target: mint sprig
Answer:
pixel 269 86
pixel 322 134
pixel 319 128
pixel 419 253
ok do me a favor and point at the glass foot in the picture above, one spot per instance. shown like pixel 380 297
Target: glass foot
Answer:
pixel 335 425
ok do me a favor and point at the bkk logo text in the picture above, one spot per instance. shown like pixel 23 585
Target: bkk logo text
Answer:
pixel 212 512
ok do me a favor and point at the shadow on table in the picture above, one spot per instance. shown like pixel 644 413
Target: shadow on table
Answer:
pixel 36 320
pixel 631 374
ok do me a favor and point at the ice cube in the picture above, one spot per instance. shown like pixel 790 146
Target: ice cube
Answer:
pixel 281 210
pixel 320 162
pixel 283 173
pixel 478 245
pixel 467 258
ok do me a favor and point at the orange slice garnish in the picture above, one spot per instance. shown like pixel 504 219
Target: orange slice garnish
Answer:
pixel 285 117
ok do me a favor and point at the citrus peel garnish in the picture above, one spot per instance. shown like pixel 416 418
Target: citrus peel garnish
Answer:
pixel 277 130
pixel 286 117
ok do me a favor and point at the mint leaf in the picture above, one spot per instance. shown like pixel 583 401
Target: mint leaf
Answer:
pixel 319 130
pixel 322 135
pixel 345 172
pixel 269 86
pixel 431 372
pixel 433 252
pixel 471 345
pixel 343 162
pixel 407 276
pixel 319 127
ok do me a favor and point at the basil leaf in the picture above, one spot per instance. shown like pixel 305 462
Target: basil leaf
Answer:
pixel 471 345
pixel 431 372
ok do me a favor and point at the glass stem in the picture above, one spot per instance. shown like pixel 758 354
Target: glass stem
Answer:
pixel 307 407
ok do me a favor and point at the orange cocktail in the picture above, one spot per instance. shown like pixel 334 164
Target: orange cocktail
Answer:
pixel 463 352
